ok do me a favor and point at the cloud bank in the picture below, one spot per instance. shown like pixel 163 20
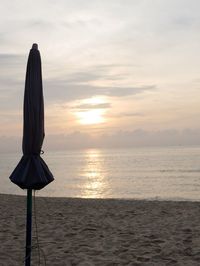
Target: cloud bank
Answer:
pixel 121 139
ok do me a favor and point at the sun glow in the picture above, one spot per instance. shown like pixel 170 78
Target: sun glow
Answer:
pixel 91 111
pixel 94 116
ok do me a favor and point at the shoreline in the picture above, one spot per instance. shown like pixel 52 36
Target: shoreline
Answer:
pixel 87 232
pixel 156 199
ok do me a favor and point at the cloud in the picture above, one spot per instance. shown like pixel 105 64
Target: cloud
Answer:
pixel 11 94
pixel 39 23
pixel 124 139
pixel 76 86
pixel 79 77
pixel 10 144
pixel 98 72
pixel 119 139
pixel 62 90
pixel 12 72
pixel 128 91
pixel 126 115
pixel 11 59
pixel 12 66
pixel 184 22
pixel 87 106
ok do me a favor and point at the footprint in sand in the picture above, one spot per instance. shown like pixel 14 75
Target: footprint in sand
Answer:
pixel 143 259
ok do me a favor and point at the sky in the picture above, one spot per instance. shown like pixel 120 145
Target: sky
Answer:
pixel 116 73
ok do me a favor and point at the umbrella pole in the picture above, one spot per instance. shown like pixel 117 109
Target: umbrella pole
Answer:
pixel 28 228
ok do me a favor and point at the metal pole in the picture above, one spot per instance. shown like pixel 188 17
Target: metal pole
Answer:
pixel 28 228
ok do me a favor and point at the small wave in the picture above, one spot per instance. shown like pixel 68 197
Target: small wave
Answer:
pixel 180 171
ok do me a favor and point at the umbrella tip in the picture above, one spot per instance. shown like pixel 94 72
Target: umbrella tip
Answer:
pixel 35 46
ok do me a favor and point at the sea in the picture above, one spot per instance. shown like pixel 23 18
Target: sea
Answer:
pixel 151 173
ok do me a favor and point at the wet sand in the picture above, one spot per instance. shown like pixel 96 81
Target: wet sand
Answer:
pixel 102 232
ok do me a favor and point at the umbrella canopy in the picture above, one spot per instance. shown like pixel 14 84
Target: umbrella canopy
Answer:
pixel 32 172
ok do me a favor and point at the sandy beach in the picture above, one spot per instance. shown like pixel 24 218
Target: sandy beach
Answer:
pixel 102 232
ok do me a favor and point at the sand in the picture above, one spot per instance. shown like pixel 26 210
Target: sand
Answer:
pixel 102 232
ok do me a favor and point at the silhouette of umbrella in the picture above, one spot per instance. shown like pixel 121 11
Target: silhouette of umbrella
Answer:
pixel 32 172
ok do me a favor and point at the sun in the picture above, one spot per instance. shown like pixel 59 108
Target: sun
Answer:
pixel 90 117
pixel 91 111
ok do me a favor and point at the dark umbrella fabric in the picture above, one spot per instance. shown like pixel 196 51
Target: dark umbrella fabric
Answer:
pixel 32 172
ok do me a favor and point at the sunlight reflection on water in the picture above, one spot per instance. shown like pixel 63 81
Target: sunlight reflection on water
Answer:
pixel 142 173
pixel 95 182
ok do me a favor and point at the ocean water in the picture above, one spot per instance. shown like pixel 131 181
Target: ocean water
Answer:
pixel 169 173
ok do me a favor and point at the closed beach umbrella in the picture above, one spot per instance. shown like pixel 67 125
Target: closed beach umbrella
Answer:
pixel 32 172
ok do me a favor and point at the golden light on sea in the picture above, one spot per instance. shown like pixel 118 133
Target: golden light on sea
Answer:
pixel 95 184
